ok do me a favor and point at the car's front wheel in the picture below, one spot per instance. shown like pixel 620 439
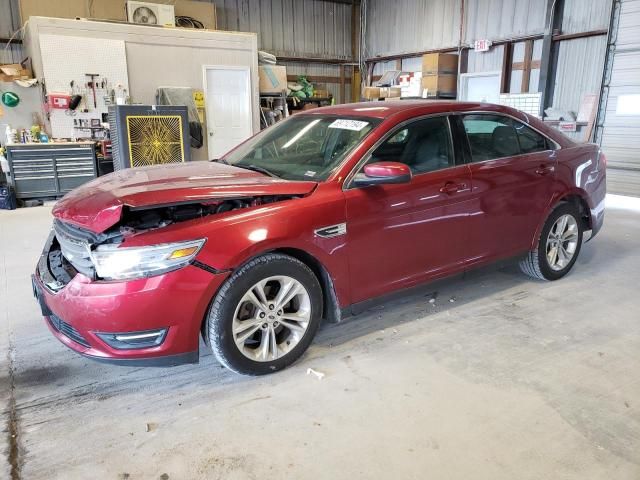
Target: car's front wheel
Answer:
pixel 265 315
pixel 558 246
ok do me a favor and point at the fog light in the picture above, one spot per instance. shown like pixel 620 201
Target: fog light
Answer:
pixel 132 340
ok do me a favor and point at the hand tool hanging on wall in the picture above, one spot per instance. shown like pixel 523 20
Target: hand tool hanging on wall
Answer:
pixel 92 85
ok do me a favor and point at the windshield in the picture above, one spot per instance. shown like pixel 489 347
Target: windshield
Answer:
pixel 305 147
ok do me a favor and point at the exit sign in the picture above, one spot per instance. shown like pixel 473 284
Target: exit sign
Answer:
pixel 481 45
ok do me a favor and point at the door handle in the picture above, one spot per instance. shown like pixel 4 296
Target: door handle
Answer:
pixel 545 169
pixel 451 188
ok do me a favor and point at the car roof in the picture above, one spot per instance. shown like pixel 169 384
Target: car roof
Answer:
pixel 399 110
pixel 386 109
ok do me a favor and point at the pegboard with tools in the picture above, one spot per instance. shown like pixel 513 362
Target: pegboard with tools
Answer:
pixel 95 69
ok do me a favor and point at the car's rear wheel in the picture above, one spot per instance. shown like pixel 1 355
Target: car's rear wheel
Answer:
pixel 265 315
pixel 558 246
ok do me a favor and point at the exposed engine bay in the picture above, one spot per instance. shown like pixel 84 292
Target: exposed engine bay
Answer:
pixel 148 218
pixel 134 220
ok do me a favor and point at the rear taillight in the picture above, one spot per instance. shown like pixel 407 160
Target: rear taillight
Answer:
pixel 602 161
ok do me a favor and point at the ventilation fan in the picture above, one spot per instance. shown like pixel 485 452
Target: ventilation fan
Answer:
pixel 144 15
pixel 147 13
pixel 143 135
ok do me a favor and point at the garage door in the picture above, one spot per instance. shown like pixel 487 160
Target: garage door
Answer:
pixel 620 131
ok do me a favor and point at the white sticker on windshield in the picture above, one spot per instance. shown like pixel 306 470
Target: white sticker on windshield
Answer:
pixel 355 125
pixel 309 173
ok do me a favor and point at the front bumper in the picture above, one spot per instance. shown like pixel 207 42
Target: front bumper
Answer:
pixel 177 300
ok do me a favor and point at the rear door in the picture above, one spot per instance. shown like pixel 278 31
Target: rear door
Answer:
pixel 512 174
pixel 401 235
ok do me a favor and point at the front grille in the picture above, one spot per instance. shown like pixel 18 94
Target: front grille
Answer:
pixel 67 330
pixel 75 244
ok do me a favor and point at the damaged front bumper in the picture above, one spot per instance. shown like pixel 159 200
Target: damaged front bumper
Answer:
pixel 92 317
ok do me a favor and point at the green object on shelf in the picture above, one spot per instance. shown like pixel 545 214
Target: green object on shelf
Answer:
pixel 10 99
pixel 307 87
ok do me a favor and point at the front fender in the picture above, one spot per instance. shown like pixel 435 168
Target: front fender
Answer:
pixel 235 237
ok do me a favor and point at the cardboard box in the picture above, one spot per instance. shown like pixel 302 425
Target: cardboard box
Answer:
pixel 273 78
pixel 14 71
pixel 374 93
pixel 371 93
pixel 390 92
pixel 436 63
pixel 440 85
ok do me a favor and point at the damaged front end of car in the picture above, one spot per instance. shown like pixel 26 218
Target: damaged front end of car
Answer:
pixel 105 256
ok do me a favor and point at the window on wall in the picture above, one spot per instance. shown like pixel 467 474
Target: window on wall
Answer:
pixel 523 66
pixel 495 136
pixel 424 145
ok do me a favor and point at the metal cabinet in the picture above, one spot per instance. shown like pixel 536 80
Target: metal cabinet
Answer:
pixel 49 169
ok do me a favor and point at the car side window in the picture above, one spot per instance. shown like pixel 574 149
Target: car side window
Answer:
pixel 530 140
pixel 495 136
pixel 424 145
pixel 491 136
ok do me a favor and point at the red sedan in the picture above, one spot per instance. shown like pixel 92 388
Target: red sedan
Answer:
pixel 313 218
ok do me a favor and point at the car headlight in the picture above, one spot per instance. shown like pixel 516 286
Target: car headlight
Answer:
pixel 114 263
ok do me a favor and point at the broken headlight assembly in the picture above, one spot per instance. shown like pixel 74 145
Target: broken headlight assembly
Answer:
pixel 125 263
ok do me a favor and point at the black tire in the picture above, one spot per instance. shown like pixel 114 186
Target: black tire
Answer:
pixel 536 263
pixel 221 312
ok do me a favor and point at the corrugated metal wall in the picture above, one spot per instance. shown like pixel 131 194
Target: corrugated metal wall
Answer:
pixel 490 61
pixel 300 28
pixel 584 16
pixel 503 19
pixel 9 22
pixel 579 71
pixel 312 28
pixel 581 60
pixel 294 28
pixel 406 26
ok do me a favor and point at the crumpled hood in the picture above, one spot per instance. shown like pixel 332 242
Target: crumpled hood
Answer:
pixel 97 205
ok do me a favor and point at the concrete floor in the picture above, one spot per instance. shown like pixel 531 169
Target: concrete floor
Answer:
pixel 512 379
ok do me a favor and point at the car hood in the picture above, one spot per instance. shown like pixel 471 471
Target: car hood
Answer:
pixel 97 205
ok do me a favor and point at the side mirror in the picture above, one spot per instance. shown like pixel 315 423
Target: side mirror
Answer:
pixel 382 173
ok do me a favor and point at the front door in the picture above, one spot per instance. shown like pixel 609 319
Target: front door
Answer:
pixel 402 235
pixel 228 108
pixel 512 170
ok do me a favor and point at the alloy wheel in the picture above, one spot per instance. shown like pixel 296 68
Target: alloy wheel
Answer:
pixel 562 242
pixel 271 318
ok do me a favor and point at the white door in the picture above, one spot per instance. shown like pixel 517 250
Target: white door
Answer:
pixel 228 107
pixel 480 87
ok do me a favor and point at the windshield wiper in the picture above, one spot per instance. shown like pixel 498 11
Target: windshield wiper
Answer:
pixel 255 168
